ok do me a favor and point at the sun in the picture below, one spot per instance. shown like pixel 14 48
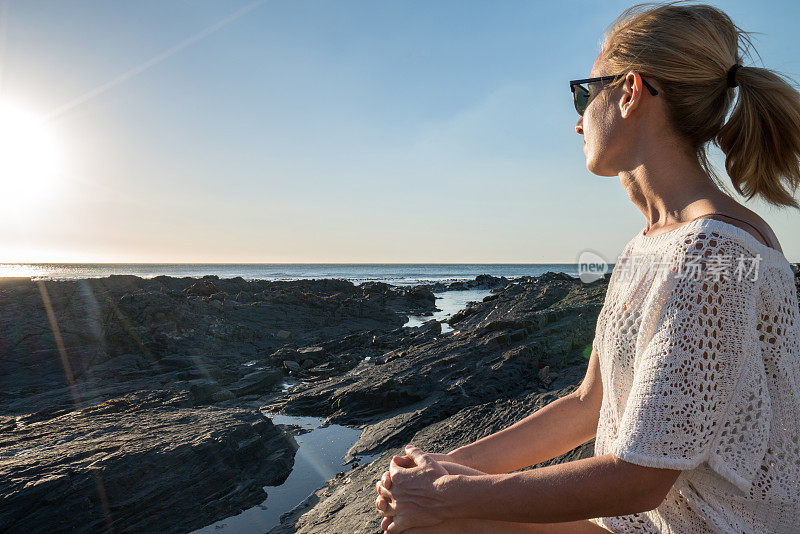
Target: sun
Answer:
pixel 30 155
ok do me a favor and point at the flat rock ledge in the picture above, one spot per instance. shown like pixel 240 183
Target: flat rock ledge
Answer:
pixel 145 462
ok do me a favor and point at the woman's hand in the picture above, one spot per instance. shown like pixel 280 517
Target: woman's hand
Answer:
pixel 382 503
pixel 413 500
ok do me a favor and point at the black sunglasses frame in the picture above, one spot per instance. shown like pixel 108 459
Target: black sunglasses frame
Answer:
pixel 575 86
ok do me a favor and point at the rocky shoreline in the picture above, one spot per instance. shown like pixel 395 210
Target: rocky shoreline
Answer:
pixel 127 404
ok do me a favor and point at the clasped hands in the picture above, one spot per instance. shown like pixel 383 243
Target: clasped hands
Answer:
pixel 410 492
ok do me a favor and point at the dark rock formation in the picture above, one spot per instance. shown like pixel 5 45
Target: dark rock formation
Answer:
pixel 482 281
pixel 144 462
pixel 530 334
pixel 118 329
pixel 121 398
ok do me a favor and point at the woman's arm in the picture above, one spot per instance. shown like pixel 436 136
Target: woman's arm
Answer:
pixel 591 487
pixel 551 431
pixel 599 486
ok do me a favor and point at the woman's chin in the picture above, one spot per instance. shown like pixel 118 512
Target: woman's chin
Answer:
pixel 604 173
pixel 591 165
pixel 596 168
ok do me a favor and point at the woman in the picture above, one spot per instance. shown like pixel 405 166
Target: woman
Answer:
pixel 693 387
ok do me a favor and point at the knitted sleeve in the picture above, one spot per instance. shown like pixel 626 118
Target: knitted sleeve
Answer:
pixel 699 390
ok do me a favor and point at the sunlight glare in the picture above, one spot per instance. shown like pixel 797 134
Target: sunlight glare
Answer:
pixel 30 156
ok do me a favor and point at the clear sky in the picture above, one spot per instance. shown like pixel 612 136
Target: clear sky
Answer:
pixel 347 131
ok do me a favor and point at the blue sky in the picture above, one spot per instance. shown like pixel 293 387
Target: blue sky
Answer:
pixel 296 131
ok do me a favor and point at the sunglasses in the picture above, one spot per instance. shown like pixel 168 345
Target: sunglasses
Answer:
pixel 582 96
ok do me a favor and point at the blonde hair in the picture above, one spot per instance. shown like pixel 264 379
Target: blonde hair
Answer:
pixel 688 49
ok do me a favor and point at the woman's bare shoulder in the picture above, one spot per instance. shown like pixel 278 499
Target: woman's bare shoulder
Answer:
pixel 754 220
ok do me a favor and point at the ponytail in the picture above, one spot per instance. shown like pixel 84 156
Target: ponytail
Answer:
pixel 762 138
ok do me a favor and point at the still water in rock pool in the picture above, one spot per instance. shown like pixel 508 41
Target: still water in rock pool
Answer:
pixel 322 450
pixel 317 460
pixel 449 302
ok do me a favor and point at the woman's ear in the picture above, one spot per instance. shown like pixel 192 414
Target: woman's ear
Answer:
pixel 631 94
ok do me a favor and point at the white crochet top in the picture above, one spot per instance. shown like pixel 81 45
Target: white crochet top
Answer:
pixel 700 364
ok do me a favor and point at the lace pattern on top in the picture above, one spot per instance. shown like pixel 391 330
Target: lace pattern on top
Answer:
pixel 700 374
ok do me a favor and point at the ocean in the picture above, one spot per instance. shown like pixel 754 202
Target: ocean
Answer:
pixel 390 273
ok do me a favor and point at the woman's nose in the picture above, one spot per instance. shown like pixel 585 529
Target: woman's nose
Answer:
pixel 579 126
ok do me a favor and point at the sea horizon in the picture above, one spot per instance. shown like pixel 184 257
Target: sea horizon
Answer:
pixel 392 273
